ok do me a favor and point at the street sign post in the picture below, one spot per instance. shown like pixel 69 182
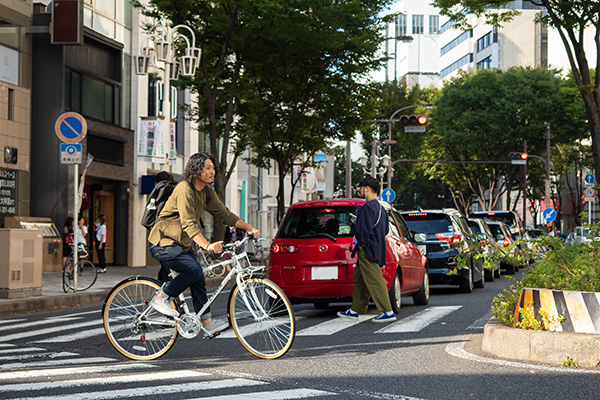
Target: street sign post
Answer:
pixel 549 214
pixel 589 180
pixel 590 197
pixel 388 195
pixel 71 128
pixel 70 153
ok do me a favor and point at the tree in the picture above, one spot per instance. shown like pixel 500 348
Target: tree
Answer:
pixel 339 178
pixel 483 116
pixel 570 18
pixel 308 84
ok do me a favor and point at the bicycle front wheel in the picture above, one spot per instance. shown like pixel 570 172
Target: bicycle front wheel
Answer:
pixel 262 318
pixel 67 275
pixel 86 275
pixel 134 328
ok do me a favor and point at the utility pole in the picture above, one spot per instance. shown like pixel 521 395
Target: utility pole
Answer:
pixel 349 170
pixel 547 136
pixel 524 188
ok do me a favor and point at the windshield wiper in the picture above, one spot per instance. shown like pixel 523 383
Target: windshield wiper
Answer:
pixel 322 234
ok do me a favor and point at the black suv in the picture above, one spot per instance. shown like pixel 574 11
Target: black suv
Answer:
pixel 510 218
pixel 447 234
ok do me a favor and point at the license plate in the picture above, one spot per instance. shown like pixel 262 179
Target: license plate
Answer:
pixel 323 273
pixel 423 248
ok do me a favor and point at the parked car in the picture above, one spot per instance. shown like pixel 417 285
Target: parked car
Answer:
pixel 447 235
pixel 510 218
pixel 483 233
pixel 310 257
pixel 504 239
pixel 583 235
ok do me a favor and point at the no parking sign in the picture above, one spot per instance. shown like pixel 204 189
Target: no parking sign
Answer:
pixel 70 127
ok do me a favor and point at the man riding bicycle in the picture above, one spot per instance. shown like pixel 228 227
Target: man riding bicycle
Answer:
pixel 177 225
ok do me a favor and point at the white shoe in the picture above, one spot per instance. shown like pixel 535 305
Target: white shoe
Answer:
pixel 162 305
pixel 215 327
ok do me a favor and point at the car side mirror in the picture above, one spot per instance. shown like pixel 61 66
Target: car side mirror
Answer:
pixel 420 237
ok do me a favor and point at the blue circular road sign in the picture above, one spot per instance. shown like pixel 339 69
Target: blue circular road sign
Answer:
pixel 388 195
pixel 70 127
pixel 589 179
pixel 549 214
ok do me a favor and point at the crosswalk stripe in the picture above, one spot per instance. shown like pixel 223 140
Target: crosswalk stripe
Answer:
pixel 52 330
pixel 37 323
pixel 103 380
pixel 418 321
pixel 10 321
pixel 480 323
pixel 71 337
pixel 157 390
pixel 49 363
pixel 332 326
pixel 20 350
pixel 5 376
pixel 273 395
pixel 38 355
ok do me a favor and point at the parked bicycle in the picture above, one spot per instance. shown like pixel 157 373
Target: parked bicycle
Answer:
pixel 259 312
pixel 86 271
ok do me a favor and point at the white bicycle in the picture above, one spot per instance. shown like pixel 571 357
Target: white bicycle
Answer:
pixel 258 311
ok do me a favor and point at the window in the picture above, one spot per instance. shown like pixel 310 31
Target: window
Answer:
pixel 401 25
pixel 456 65
pixel 92 97
pixel 105 150
pixel 11 104
pixel 434 24
pixel 484 41
pixel 393 228
pixel 458 40
pixel 417 24
pixel 486 63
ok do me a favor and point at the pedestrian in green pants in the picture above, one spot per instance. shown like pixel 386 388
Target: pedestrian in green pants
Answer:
pixel 369 243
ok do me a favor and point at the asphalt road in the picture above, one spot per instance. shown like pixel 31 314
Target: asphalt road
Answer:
pixel 433 352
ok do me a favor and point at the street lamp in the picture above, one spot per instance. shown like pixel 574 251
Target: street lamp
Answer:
pixel 158 48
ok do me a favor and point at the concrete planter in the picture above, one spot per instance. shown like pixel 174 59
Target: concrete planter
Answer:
pixel 540 346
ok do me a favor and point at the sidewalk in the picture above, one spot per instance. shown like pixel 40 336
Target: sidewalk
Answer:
pixel 53 296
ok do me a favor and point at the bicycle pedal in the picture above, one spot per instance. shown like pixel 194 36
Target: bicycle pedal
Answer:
pixel 214 335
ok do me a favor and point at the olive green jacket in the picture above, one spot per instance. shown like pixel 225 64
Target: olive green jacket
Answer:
pixel 178 220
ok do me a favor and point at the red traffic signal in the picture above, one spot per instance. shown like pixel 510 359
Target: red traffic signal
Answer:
pixel 518 158
pixel 524 156
pixel 408 120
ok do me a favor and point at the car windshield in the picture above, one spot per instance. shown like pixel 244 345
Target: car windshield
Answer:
pixel 427 223
pixel 313 222
pixel 475 227
pixel 507 218
pixel 496 229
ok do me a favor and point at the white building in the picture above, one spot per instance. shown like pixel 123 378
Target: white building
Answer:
pixel 413 43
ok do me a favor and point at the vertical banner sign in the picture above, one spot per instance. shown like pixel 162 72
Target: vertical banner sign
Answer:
pixel 320 172
pixel 8 195
pixel 172 144
pixel 151 145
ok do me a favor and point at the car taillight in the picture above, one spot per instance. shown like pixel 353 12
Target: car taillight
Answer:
pixel 451 238
pixel 517 230
pixel 484 241
pixel 417 214
pixel 284 248
pixel 506 242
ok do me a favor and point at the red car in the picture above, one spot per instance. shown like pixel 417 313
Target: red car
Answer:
pixel 310 255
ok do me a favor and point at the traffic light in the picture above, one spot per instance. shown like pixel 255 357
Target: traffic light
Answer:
pixel 410 120
pixel 518 158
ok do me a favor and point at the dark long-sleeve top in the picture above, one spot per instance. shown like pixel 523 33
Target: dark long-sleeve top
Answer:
pixel 370 236
pixel 181 214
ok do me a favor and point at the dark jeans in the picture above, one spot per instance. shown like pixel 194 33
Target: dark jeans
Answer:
pixel 101 257
pixel 190 274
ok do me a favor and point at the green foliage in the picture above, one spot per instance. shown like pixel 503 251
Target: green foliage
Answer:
pixel 528 321
pixel 570 363
pixel 562 267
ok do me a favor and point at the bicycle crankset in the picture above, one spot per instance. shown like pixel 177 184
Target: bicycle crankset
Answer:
pixel 189 326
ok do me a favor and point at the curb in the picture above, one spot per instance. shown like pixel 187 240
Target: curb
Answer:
pixel 540 346
pixel 71 300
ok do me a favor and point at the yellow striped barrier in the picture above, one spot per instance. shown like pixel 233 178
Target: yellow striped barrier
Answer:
pixel 580 311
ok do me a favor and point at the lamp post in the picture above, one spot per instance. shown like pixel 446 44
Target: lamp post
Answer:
pixel 157 48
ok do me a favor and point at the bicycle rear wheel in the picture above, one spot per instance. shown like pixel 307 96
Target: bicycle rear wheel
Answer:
pixel 67 275
pixel 86 275
pixel 262 318
pixel 134 328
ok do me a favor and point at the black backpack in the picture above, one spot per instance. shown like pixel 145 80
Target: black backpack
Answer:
pixel 159 196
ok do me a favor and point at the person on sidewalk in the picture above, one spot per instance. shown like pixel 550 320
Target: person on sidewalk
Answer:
pixel 369 243
pixel 170 240
pixel 67 239
pixel 100 242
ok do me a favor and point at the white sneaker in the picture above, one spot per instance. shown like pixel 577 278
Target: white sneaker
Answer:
pixel 162 305
pixel 215 327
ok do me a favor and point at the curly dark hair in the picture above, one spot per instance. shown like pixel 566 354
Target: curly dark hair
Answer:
pixel 195 165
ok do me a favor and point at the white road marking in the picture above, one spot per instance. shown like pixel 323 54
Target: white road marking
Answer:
pixel 10 321
pixel 333 326
pixel 40 332
pixel 71 337
pixel 153 391
pixel 32 324
pixel 49 355
pixel 273 395
pixel 480 323
pixel 103 380
pixel 49 363
pixel 46 373
pixel 20 350
pixel 420 320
